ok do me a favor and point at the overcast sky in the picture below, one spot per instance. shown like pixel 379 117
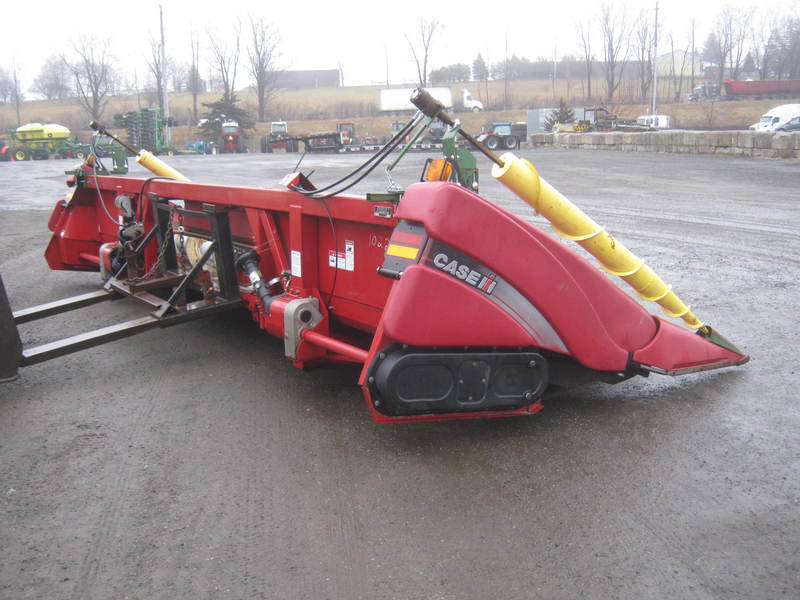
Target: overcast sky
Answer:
pixel 320 34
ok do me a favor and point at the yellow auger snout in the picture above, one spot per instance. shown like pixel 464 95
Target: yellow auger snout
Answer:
pixel 157 166
pixel 570 222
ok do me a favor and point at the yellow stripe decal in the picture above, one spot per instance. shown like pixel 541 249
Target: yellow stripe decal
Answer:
pixel 402 251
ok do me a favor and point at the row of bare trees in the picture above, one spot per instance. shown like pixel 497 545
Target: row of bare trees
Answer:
pixel 614 44
pixel 87 73
pixel 618 44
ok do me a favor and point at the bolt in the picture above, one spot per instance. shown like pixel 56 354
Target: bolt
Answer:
pixel 371 380
pixel 532 364
pixel 529 396
pixel 377 402
pixel 382 355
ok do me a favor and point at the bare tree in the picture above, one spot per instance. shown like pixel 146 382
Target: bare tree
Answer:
pixel 421 53
pixel 694 50
pixel 195 81
pixel 585 34
pixel 262 55
pixel 740 20
pixel 53 81
pixel 17 96
pixel 92 75
pixel 225 60
pixel 616 46
pixel 723 32
pixel 180 76
pixel 5 85
pixel 785 49
pixel 505 77
pixel 386 60
pixel 760 32
pixel 643 47
pixel 677 73
pixel 156 64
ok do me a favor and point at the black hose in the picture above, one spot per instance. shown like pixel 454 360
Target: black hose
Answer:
pixel 376 158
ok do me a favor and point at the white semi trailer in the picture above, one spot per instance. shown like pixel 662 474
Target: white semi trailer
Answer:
pixel 398 100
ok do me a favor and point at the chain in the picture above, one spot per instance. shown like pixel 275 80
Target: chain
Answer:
pixel 182 255
pixel 161 252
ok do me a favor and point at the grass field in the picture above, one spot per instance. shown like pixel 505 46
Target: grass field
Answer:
pixel 318 110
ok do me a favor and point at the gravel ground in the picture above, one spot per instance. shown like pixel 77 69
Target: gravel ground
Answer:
pixel 196 462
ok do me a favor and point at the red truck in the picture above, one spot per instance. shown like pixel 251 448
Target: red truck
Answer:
pixel 781 88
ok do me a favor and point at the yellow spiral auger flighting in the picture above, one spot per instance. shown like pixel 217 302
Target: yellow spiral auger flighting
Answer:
pixel 570 222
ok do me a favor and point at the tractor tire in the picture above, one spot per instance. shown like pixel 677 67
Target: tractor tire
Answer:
pixel 476 109
pixel 511 142
pixel 20 154
pixel 492 142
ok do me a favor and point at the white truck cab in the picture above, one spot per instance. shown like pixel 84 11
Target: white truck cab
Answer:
pixel 469 102
pixel 770 121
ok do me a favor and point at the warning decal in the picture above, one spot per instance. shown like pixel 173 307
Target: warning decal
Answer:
pixel 343 260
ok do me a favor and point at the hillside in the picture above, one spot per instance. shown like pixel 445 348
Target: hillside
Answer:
pixel 318 110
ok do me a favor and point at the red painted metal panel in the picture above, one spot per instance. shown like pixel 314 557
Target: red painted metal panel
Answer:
pixel 598 322
pixel 676 348
pixel 429 308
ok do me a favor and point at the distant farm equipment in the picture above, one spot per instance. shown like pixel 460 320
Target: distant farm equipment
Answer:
pixel 504 134
pixel 145 129
pixel 37 141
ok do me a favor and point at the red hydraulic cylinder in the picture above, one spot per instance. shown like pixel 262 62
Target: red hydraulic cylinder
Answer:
pixel 323 341
pixel 92 258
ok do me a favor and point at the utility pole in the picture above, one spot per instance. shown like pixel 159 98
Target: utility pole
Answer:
pixel 555 68
pixel 655 62
pixel 505 78
pixel 693 54
pixel 168 133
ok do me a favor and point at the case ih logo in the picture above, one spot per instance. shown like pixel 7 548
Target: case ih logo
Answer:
pixel 464 272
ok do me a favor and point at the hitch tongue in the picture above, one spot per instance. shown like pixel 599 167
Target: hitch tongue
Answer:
pixel 10 346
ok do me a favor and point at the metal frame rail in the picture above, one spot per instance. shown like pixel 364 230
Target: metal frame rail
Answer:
pixel 169 281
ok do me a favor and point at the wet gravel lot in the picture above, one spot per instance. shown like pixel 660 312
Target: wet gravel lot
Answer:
pixel 196 462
